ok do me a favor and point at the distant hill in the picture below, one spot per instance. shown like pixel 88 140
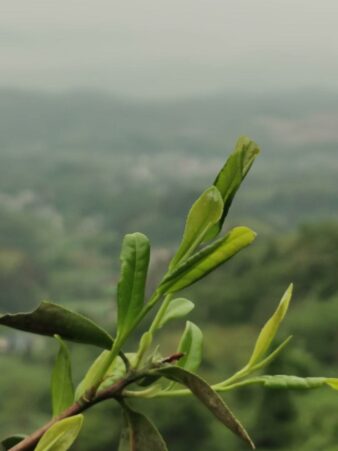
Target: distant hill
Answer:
pixel 81 153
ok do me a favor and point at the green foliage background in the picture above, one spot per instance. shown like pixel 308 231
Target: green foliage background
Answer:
pixel 79 171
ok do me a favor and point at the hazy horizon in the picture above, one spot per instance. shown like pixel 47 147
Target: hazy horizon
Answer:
pixel 156 49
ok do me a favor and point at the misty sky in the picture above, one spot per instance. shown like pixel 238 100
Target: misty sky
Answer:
pixel 169 48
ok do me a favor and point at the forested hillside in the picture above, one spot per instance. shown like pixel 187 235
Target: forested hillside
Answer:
pixel 79 170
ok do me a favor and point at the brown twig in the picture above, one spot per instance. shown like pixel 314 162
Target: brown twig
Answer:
pixel 173 358
pixel 114 391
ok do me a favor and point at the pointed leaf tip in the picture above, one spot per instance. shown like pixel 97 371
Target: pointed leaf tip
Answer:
pixel 269 330
pixel 231 176
pixel 139 433
pixel 211 400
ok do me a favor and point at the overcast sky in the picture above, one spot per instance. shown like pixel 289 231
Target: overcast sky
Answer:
pixel 169 47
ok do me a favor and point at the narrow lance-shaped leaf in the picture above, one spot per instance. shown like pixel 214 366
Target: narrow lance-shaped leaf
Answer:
pixel 270 329
pixel 232 175
pixel 205 212
pixel 139 433
pixel 178 308
pixel 62 384
pixel 281 381
pixel 271 357
pixel 209 258
pixel 52 319
pixel 130 291
pixel 61 435
pixel 191 345
pixel 208 397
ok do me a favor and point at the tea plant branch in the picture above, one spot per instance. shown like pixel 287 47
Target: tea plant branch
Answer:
pixel 200 252
pixel 83 404
pixel 271 381
pixel 147 337
pixel 149 393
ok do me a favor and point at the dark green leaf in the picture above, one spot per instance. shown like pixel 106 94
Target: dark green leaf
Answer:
pixel 205 212
pixel 9 442
pixel 130 292
pixel 52 319
pixel 177 309
pixel 232 175
pixel 208 397
pixel 62 383
pixel 139 434
pixel 61 435
pixel 209 258
pixel 191 345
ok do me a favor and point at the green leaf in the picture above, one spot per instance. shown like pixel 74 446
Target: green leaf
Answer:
pixel 52 319
pixel 130 291
pixel 93 374
pixel 61 435
pixel 11 441
pixel 178 308
pixel 272 356
pixel 232 175
pixel 191 345
pixel 139 433
pixel 117 370
pixel 332 382
pixel 270 329
pixel 208 397
pixel 205 261
pixel 62 383
pixel 294 382
pixel 205 212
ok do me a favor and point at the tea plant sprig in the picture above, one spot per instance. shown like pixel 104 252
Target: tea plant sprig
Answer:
pixel 146 374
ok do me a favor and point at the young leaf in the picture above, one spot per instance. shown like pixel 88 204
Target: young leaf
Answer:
pixel 139 433
pixel 272 356
pixel 52 319
pixel 11 441
pixel 61 435
pixel 130 291
pixel 209 258
pixel 117 370
pixel 332 382
pixel 208 397
pixel 270 329
pixel 191 346
pixel 177 309
pixel 92 374
pixel 294 382
pixel 232 175
pixel 205 212
pixel 62 384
